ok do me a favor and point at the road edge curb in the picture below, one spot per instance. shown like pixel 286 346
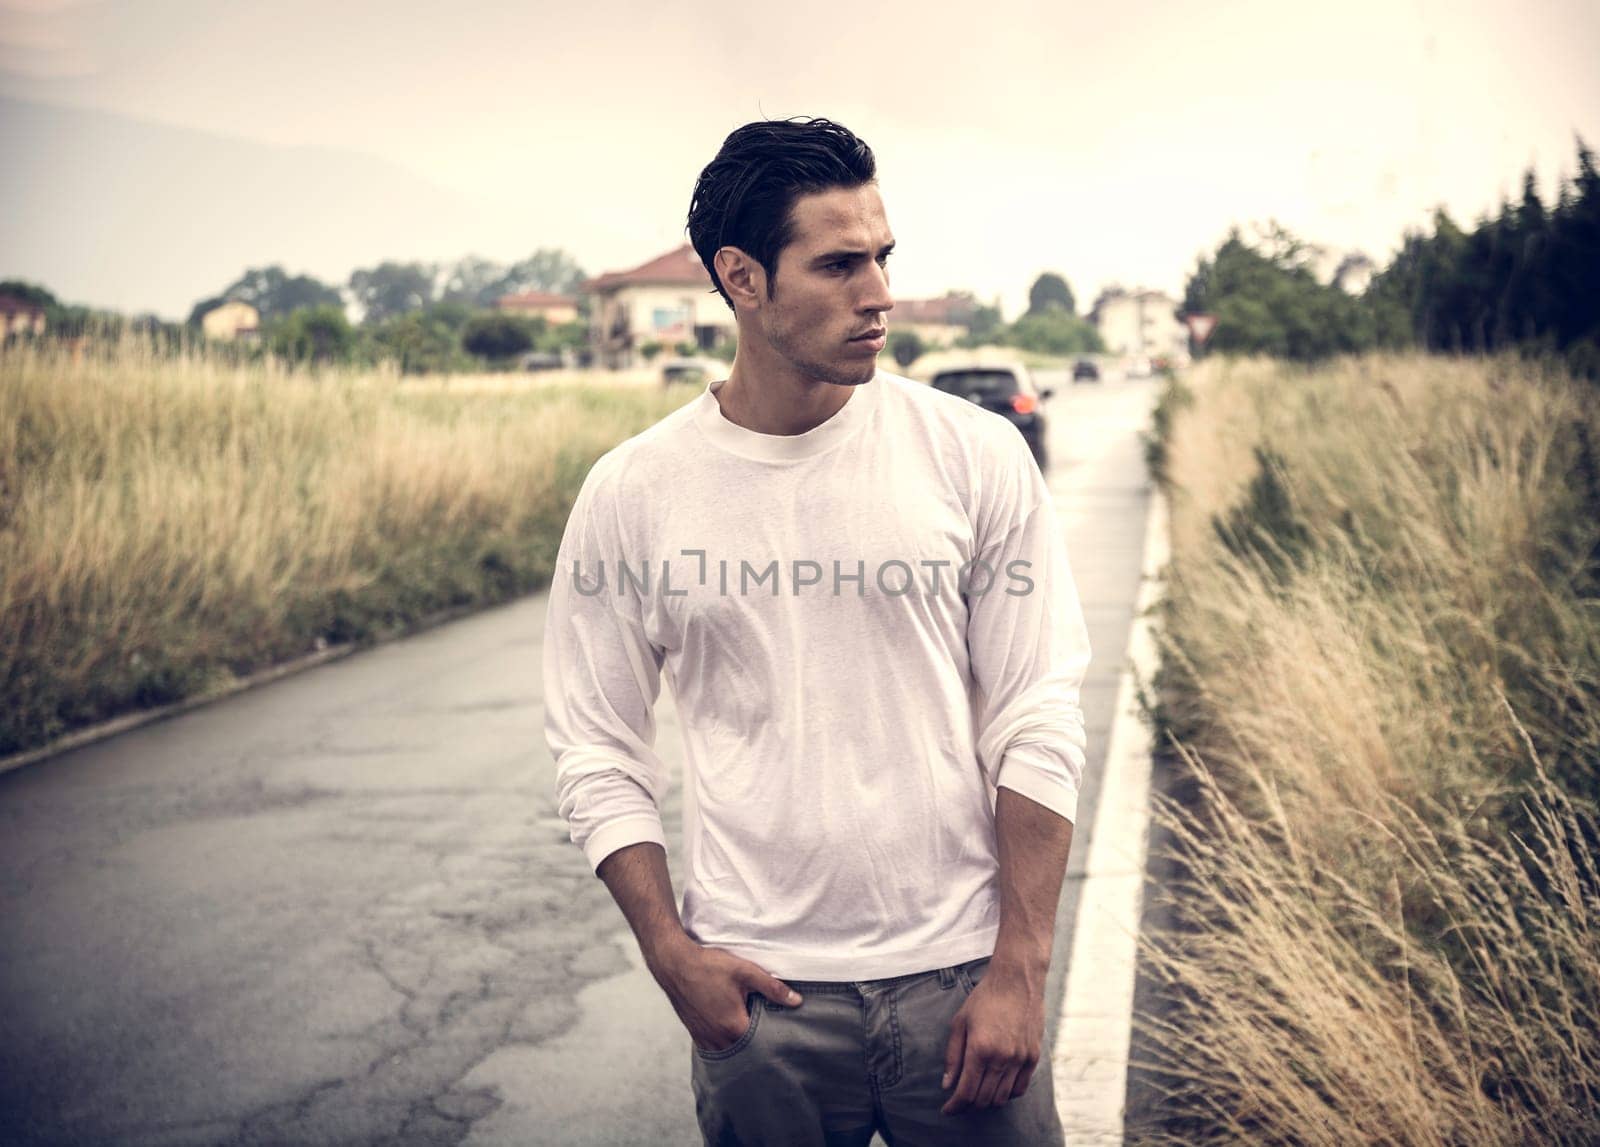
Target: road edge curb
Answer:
pixel 1089 1069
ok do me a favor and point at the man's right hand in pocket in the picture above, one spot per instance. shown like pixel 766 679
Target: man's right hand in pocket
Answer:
pixel 708 986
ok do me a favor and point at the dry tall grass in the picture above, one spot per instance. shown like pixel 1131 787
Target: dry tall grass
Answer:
pixel 165 524
pixel 1381 669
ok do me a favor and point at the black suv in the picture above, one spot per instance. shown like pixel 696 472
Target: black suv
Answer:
pixel 1007 389
pixel 1085 371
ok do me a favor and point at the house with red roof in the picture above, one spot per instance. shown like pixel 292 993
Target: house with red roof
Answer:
pixel 937 322
pixel 667 301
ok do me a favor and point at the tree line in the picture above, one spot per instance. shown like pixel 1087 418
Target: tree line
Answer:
pixel 423 316
pixel 1526 279
pixel 426 317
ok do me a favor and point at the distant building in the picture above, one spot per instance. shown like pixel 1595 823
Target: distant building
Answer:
pixel 232 320
pixel 937 322
pixel 668 300
pixel 1141 323
pixel 20 317
pixel 554 309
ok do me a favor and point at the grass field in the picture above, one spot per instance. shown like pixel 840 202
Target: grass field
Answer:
pixel 1381 669
pixel 167 525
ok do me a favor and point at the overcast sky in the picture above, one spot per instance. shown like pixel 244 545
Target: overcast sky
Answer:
pixel 1113 143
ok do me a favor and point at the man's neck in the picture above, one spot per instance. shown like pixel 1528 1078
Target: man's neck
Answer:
pixel 778 403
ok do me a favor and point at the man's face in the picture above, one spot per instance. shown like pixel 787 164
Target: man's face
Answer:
pixel 831 286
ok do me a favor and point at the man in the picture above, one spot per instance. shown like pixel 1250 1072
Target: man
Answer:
pixel 858 592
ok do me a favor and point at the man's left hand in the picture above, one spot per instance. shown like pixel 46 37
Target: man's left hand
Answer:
pixel 994 1041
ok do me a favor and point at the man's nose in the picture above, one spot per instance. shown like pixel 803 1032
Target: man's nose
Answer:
pixel 878 297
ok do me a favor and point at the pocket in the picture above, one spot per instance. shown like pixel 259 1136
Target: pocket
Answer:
pixel 970 974
pixel 755 1010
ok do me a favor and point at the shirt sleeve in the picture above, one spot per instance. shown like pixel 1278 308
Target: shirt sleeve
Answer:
pixel 602 676
pixel 1027 641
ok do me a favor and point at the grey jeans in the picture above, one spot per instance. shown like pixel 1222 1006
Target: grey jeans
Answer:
pixel 854 1058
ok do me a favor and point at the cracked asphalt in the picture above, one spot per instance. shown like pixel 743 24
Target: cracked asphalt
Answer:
pixel 340 909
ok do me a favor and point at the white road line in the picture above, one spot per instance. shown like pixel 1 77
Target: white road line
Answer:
pixel 1090 1065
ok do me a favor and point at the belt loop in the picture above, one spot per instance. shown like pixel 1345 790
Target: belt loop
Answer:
pixel 947 977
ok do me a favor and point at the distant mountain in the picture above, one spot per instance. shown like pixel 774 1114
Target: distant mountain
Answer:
pixel 137 216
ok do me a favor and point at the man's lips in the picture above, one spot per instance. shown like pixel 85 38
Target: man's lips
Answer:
pixel 877 334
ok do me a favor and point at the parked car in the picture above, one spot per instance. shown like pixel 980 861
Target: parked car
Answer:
pixel 695 371
pixel 1084 370
pixel 1007 389
pixel 541 360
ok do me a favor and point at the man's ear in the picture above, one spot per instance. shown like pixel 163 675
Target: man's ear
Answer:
pixel 742 277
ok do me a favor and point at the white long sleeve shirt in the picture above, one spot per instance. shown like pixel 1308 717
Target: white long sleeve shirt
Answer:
pixel 867 628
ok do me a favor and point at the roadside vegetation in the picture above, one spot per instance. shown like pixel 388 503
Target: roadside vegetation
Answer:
pixel 169 522
pixel 1378 903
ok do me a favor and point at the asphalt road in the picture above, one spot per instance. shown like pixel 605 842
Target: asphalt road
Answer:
pixel 340 909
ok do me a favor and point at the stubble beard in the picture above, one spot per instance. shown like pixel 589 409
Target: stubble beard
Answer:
pixel 838 373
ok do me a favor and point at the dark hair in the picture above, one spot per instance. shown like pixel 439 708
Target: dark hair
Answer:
pixel 745 196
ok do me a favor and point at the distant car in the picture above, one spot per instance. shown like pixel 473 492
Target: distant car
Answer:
pixel 1085 371
pixel 541 360
pixel 694 371
pixel 1139 367
pixel 1007 389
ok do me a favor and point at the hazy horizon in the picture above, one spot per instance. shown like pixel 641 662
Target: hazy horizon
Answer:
pixel 1110 146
